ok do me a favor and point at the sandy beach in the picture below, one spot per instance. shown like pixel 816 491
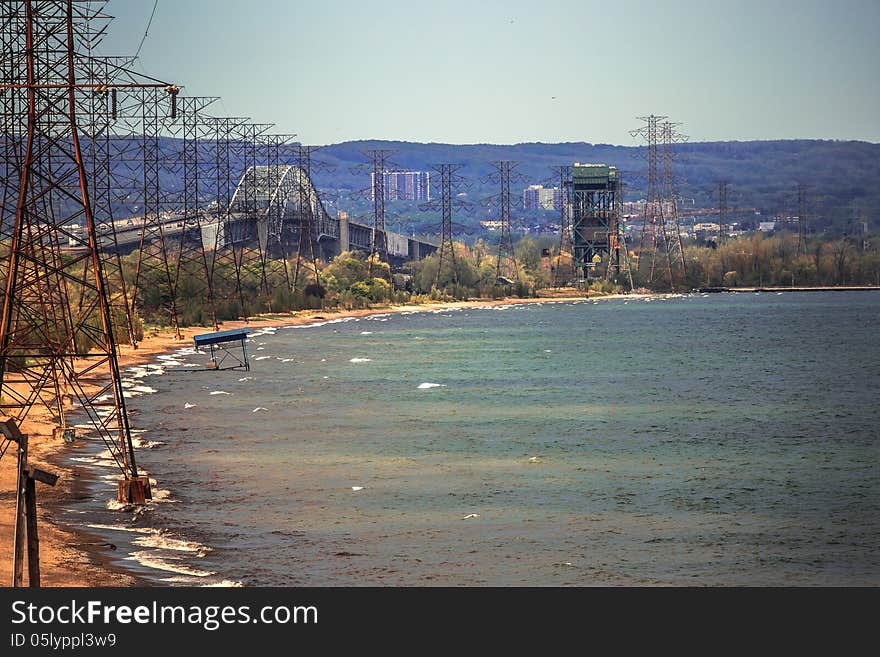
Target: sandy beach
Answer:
pixel 77 558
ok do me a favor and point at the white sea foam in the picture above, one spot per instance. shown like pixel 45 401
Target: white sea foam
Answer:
pixel 245 378
pixel 162 541
pixel 149 559
pixel 262 357
pixel 226 583
pixel 91 460
pixel 188 405
pixel 160 494
pixel 360 360
pixel 122 528
pixel 366 333
pixel 115 505
pixel 219 392
pixel 259 408
pixel 425 386
pixel 339 320
pixel 140 443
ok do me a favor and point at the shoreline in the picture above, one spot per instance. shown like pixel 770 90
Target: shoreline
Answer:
pixel 72 556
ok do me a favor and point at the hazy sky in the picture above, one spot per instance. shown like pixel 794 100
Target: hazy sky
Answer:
pixel 505 72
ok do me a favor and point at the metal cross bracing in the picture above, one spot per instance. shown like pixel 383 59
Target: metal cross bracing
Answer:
pixel 190 255
pixel 594 218
pixel 224 264
pixel 450 181
pixel 563 272
pixel 648 239
pixel 278 160
pixel 56 330
pixel 380 163
pixel 802 219
pixel 244 205
pixel 310 209
pixel 506 268
pixel 669 205
pixel 649 132
pixel 99 111
pixel 238 226
pixel 617 240
pixel 660 234
pixel 723 188
pixel 622 259
pixel 141 113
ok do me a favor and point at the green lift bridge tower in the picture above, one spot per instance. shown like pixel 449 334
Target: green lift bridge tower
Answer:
pixel 593 193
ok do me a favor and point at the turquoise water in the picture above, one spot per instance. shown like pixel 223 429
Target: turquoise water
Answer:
pixel 710 440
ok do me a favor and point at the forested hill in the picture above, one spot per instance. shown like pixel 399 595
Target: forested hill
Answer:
pixel 842 177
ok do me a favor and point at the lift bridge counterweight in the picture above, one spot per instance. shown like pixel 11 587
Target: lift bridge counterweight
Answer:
pixel 220 353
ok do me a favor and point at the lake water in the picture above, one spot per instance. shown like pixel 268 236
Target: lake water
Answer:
pixel 726 439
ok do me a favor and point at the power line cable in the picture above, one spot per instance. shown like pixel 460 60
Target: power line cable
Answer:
pixel 147 31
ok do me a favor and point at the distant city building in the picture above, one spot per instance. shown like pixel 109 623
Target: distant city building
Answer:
pixel 404 186
pixel 538 197
pixel 766 226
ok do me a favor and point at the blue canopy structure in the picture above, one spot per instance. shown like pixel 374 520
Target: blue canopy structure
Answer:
pixel 219 353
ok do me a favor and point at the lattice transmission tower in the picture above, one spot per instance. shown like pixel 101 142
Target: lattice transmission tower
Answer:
pixel 447 266
pixel 56 330
pixel 660 234
pixel 723 209
pixel 380 162
pixel 802 219
pixel 311 210
pixel 563 272
pixel 506 268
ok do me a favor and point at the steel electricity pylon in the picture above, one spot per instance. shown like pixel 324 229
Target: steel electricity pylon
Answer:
pixel 450 180
pixel 506 268
pixel 380 163
pixel 56 331
pixel 660 235
pixel 564 274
